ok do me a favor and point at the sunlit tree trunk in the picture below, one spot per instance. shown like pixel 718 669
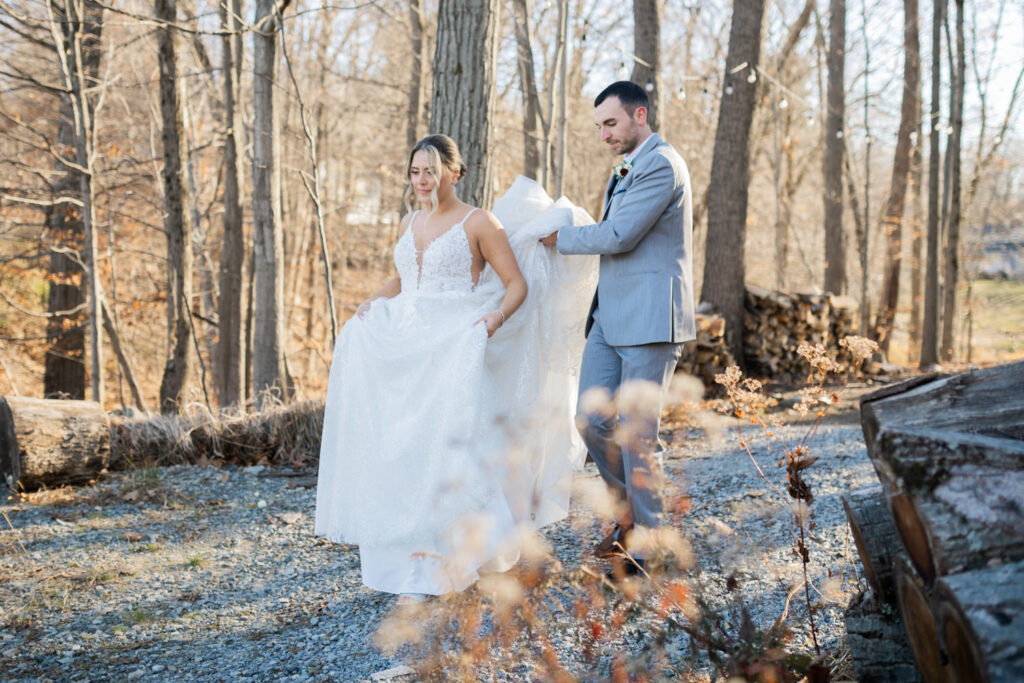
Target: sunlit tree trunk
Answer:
pixel 417 73
pixel 64 365
pixel 69 24
pixel 951 273
pixel 463 103
pixel 177 222
pixel 835 240
pixel 268 371
pixel 229 363
pixel 528 88
pixel 647 48
pixel 723 284
pixel 909 115
pixel 930 326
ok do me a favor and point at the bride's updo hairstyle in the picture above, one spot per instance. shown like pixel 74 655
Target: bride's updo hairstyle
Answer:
pixel 444 155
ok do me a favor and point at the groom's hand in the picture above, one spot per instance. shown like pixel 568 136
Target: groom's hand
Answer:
pixel 551 240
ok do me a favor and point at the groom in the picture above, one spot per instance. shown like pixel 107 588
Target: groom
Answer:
pixel 643 309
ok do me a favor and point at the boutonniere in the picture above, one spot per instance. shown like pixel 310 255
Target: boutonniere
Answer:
pixel 622 169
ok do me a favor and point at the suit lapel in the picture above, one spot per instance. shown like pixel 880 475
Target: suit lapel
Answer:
pixel 614 181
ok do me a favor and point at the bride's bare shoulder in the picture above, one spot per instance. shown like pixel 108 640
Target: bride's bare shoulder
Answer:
pixel 482 223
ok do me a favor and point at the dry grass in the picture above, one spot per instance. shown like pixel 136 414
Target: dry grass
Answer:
pixel 280 434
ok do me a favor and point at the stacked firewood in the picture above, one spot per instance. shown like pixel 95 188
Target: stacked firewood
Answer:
pixel 776 323
pixel 942 537
pixel 709 354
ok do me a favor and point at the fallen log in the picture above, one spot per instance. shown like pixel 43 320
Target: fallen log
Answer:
pixel 982 623
pixel 47 442
pixel 955 498
pixel 916 610
pixel 874 534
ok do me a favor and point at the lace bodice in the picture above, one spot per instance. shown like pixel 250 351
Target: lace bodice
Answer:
pixel 444 266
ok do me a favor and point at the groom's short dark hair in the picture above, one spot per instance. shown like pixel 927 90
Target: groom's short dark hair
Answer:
pixel 629 93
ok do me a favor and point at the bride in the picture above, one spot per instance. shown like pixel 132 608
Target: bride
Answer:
pixel 448 425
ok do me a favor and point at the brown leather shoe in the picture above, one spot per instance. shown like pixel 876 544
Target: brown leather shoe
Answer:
pixel 613 543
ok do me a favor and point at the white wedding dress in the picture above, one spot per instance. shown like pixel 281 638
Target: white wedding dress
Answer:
pixel 440 444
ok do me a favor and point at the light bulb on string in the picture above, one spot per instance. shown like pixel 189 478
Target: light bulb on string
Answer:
pixel 752 76
pixel 839 135
pixel 783 103
pixel 728 89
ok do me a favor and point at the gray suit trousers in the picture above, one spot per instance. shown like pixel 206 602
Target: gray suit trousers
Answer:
pixel 623 443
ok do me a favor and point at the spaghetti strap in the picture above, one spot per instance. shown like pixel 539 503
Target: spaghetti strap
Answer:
pixel 466 217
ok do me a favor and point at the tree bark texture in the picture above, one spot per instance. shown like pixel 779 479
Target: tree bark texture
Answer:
pixel 988 402
pixel 835 146
pixel 528 88
pixel 981 617
pixel 917 244
pixel 954 497
pixel 64 369
pixel 930 325
pixel 177 221
pixel 229 358
pixel 875 536
pixel 723 284
pixel 68 25
pixel 877 642
pixel 910 113
pixel 51 443
pixel 417 73
pixel 64 366
pixel 465 59
pixel 268 372
pixel 647 47
pixel 952 261
pixel 949 452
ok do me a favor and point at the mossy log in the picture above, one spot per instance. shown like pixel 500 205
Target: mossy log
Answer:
pixel 47 442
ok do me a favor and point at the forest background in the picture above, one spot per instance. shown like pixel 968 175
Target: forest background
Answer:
pixel 218 185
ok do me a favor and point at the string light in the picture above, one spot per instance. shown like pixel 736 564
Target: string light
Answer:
pixel 783 103
pixel 752 76
pixel 728 89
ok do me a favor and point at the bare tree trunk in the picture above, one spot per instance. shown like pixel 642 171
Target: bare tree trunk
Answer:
pixel 563 96
pixel 177 222
pixel 75 29
pixel 930 327
pixel 952 265
pixel 122 358
pixel 64 369
pixel 647 54
pixel 835 241
pixel 465 60
pixel 861 235
pixel 917 246
pixel 229 356
pixel 909 116
pixel 268 372
pixel 528 87
pixel 418 74
pixel 723 284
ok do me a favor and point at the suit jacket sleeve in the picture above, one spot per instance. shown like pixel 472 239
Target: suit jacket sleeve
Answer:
pixel 643 203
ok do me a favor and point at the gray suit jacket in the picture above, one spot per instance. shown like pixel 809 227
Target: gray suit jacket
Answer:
pixel 645 239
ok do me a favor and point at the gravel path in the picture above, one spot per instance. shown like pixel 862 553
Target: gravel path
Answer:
pixel 213 574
